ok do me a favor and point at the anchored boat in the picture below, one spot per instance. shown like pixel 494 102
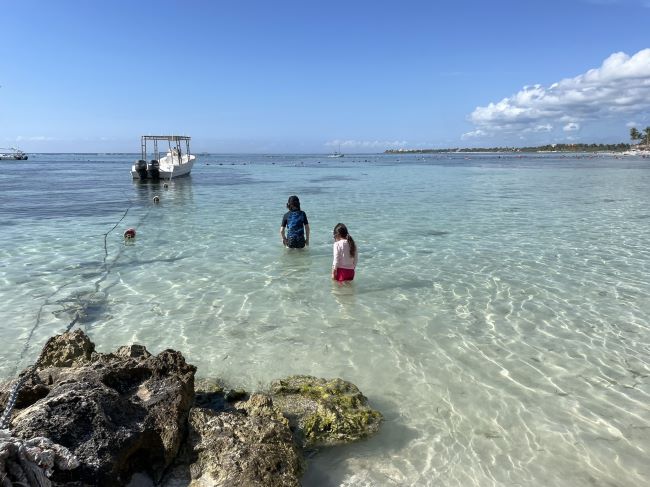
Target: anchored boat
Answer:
pixel 336 153
pixel 177 161
pixel 12 154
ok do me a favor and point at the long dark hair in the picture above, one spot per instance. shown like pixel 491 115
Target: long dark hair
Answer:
pixel 341 230
pixel 293 203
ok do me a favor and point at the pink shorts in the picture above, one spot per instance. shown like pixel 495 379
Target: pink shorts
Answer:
pixel 344 274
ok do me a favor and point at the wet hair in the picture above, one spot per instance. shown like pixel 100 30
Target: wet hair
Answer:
pixel 293 203
pixel 341 230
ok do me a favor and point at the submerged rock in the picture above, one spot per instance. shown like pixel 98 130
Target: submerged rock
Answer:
pixel 324 412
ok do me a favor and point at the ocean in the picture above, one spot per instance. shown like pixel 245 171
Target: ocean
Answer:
pixel 499 318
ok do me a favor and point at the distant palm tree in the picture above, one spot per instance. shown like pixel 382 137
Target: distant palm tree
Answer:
pixel 646 136
pixel 634 134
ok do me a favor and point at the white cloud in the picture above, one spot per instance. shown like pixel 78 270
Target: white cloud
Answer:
pixel 546 127
pixel 631 124
pixel 619 87
pixel 474 134
pixel 34 138
pixel 367 144
pixel 571 127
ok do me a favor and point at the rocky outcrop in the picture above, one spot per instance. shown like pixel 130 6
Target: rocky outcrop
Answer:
pixel 117 413
pixel 67 350
pixel 324 412
pixel 128 416
pixel 249 446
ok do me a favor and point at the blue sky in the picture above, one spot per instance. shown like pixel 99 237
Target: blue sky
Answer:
pixel 305 76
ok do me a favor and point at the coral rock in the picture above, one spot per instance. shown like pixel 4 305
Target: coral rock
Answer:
pixel 324 412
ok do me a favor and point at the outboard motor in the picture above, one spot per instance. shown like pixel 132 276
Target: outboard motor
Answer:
pixel 141 168
pixel 154 169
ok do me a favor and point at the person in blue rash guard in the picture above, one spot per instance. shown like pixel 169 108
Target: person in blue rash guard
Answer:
pixel 296 225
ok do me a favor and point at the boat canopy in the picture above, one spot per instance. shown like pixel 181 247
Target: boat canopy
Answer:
pixel 177 142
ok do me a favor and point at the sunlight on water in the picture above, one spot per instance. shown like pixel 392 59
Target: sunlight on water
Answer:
pixel 499 318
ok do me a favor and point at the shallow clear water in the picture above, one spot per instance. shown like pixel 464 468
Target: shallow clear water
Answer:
pixel 499 319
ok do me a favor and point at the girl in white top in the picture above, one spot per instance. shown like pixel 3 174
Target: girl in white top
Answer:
pixel 345 254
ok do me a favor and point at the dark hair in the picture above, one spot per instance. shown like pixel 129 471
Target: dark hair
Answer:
pixel 293 203
pixel 341 230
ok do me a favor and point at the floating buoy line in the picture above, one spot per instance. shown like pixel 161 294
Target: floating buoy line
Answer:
pixel 77 315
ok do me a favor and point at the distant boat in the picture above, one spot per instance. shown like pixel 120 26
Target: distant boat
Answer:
pixel 336 153
pixel 636 151
pixel 12 154
pixel 177 161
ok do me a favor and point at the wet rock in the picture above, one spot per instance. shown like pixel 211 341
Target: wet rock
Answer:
pixel 208 386
pixel 236 395
pixel 117 414
pixel 130 417
pixel 209 394
pixel 252 446
pixel 324 412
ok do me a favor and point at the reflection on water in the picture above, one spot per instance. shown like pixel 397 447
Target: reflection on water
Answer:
pixel 177 190
pixel 498 317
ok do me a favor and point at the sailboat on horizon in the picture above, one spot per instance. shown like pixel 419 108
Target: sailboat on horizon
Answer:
pixel 336 153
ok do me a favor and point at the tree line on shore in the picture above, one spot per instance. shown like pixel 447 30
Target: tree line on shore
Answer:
pixel 643 138
pixel 541 148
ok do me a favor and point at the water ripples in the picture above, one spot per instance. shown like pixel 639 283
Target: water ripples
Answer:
pixel 499 319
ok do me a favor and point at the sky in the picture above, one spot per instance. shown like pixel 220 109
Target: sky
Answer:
pixel 310 76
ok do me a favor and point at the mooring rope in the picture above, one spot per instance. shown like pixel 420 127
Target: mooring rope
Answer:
pixel 13 395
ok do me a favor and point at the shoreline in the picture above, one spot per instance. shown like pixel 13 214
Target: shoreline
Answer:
pixel 621 148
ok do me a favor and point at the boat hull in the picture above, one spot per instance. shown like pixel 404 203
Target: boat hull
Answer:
pixel 13 157
pixel 167 168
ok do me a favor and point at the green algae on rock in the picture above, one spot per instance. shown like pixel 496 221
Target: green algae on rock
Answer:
pixel 324 412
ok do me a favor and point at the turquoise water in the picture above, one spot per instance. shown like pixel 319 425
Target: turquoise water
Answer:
pixel 499 319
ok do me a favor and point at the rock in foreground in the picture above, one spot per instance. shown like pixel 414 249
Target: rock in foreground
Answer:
pixel 116 413
pixel 252 446
pixel 324 412
pixel 126 416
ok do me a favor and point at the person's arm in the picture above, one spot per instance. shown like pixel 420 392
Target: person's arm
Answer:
pixel 283 225
pixel 306 233
pixel 336 260
pixel 282 235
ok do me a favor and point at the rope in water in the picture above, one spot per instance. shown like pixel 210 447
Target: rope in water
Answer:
pixel 106 269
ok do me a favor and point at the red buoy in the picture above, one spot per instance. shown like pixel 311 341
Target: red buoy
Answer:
pixel 129 233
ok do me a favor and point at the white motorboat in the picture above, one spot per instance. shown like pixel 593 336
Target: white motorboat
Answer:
pixel 12 154
pixel 177 161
